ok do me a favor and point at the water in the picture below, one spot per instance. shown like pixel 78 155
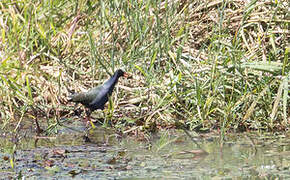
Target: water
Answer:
pixel 168 155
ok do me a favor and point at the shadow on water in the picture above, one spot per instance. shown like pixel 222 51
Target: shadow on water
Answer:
pixel 168 155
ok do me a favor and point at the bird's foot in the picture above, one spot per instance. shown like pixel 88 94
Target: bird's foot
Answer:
pixel 88 121
pixel 86 138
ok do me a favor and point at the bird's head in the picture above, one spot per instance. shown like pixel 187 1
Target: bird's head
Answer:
pixel 120 73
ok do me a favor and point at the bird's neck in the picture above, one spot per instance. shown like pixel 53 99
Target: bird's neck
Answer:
pixel 111 82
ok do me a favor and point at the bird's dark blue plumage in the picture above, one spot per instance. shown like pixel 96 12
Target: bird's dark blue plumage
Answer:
pixel 97 97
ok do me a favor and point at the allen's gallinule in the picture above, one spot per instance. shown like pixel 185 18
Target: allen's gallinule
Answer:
pixel 97 97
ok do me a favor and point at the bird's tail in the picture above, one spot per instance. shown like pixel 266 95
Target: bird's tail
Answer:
pixel 70 98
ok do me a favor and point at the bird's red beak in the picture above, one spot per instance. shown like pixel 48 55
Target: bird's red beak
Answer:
pixel 126 75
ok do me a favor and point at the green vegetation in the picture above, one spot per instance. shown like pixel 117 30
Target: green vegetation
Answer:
pixel 205 64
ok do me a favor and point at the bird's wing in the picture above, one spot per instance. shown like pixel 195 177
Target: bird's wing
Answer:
pixel 86 97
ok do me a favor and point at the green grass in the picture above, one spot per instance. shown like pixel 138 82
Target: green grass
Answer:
pixel 207 64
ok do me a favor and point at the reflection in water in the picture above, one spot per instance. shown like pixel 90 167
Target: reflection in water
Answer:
pixel 169 155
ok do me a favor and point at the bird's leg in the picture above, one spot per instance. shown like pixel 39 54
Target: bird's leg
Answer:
pixel 38 129
pixel 88 115
pixel 88 118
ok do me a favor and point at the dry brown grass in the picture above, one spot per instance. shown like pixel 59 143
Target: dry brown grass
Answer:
pixel 188 60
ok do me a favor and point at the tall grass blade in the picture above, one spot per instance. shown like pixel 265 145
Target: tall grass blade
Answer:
pixel 276 102
pixel 286 82
pixel 250 111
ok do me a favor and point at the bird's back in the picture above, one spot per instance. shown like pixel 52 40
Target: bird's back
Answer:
pixel 97 97
pixel 86 98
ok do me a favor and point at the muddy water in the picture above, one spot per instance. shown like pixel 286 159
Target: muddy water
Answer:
pixel 168 155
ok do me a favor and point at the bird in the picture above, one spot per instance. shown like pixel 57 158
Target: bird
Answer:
pixel 97 97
